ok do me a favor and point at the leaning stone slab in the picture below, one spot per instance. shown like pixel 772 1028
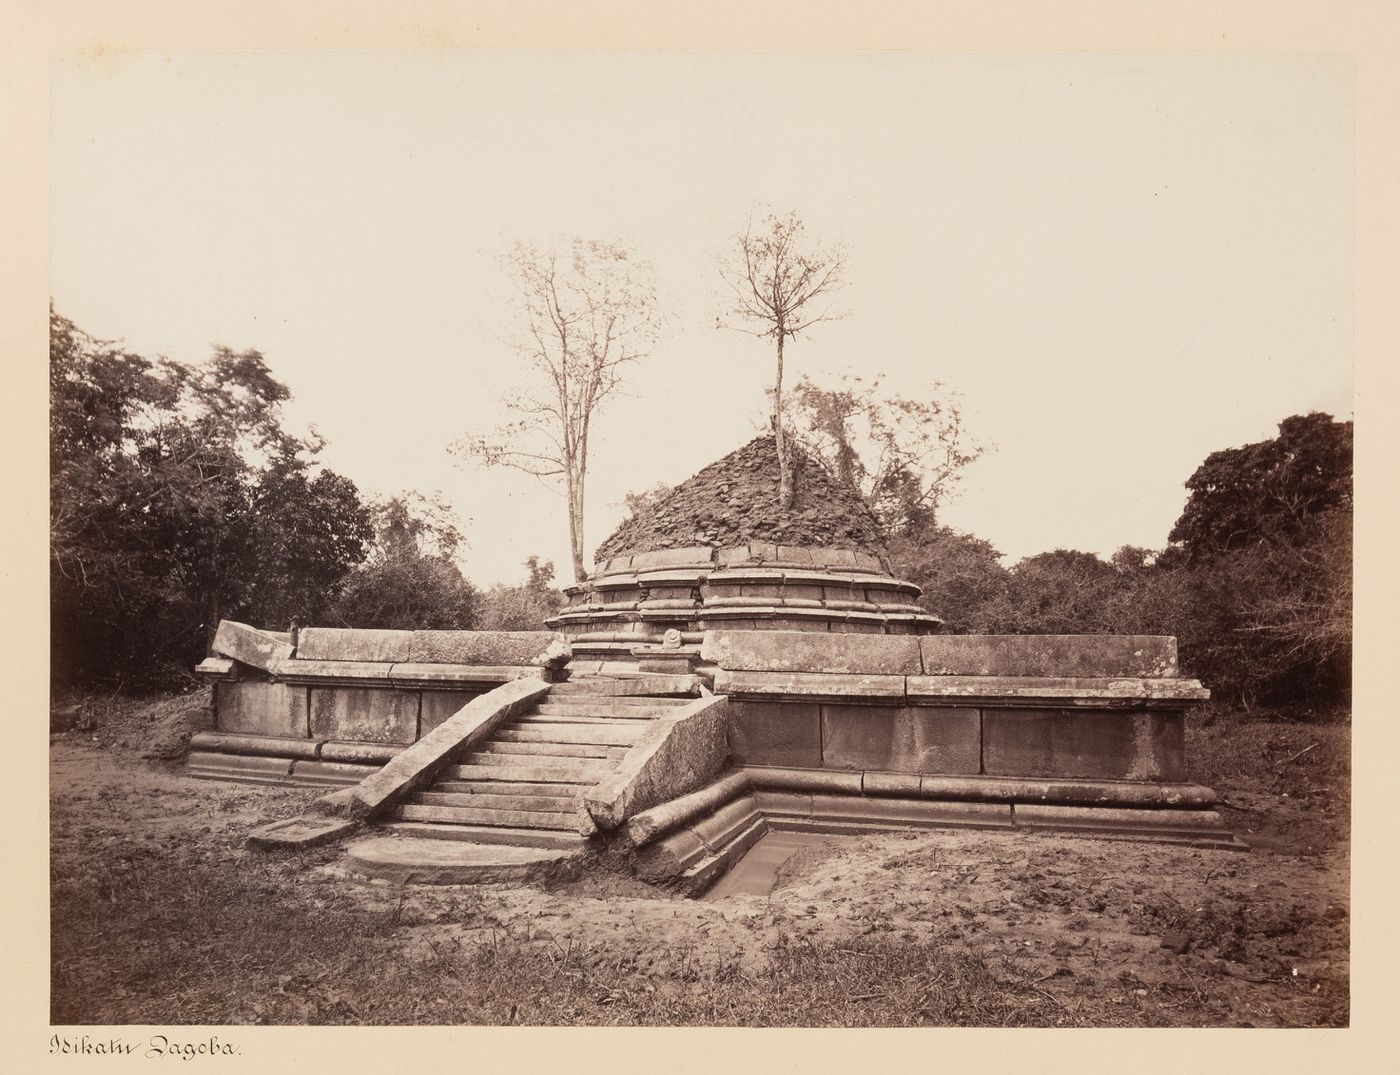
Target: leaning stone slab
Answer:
pixel 806 651
pixel 674 755
pixel 418 764
pixel 248 645
pixel 348 644
pixel 217 668
pixel 297 832
pixel 1089 656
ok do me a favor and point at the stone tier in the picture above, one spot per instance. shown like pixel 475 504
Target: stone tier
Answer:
pixel 751 587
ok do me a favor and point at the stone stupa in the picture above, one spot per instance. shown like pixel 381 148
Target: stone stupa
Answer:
pixel 717 552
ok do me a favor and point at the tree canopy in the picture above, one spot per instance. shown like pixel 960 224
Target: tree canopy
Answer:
pixel 177 497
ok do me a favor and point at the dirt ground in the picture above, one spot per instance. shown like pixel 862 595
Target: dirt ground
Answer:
pixel 160 915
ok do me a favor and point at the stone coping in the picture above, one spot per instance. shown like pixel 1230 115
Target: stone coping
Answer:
pixel 980 690
pixel 407 674
pixel 1115 657
pixel 647 825
pixel 708 843
pixel 361 652
pixel 798 556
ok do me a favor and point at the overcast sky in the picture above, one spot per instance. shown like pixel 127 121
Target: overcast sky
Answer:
pixel 1121 263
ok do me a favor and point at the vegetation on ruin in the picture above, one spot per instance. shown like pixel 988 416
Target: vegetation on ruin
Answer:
pixel 782 284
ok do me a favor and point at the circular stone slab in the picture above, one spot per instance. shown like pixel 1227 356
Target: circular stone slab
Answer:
pixel 414 861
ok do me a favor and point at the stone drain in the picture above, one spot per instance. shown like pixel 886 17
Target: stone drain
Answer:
pixel 757 871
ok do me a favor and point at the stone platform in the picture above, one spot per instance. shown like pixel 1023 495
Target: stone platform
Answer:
pixel 409 861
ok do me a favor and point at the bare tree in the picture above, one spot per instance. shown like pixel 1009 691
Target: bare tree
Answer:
pixel 585 314
pixel 780 285
pixel 903 455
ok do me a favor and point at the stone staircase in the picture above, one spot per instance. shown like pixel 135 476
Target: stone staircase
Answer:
pixel 525 785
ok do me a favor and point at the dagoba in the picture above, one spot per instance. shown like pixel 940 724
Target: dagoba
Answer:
pixel 718 552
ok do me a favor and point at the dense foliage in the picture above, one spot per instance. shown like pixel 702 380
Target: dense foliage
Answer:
pixel 410 580
pixel 177 498
pixel 1256 584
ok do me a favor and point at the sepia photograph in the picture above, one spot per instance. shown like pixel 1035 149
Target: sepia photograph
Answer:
pixel 694 538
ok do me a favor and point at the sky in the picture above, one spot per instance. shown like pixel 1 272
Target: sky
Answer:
pixel 1119 263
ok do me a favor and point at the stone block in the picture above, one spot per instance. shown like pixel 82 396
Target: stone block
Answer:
pixel 785 804
pixel 437 706
pixel 784 651
pixel 472 678
pixel 298 832
pixel 1103 745
pixel 906 785
pixel 776 733
pixel 693 555
pixel 824 780
pixel 248 645
pixel 794 554
pixel 264 745
pixel 214 668
pixel 1091 656
pixel 1135 822
pixel 244 769
pixel 809 685
pixel 328 672
pixel 347 644
pixel 1046 691
pixel 728 821
pixel 901 739
pixel 250 707
pixel 364 714
pixel 910 811
pixel 480 647
pixel 336 774
pixel 668 858
pixel 359 753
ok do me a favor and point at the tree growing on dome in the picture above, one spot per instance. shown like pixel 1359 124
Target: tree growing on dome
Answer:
pixel 782 286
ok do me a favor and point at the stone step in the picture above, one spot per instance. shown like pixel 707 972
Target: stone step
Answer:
pixel 587 768
pixel 583 718
pixel 595 751
pixel 568 694
pixel 470 815
pixel 510 787
pixel 634 684
pixel 544 732
pixel 604 709
pixel 545 804
pixel 488 834
pixel 505 768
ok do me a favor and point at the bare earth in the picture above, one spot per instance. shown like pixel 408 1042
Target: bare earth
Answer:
pixel 161 916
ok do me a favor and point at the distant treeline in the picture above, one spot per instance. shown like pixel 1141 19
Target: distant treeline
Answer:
pixel 1256 582
pixel 177 498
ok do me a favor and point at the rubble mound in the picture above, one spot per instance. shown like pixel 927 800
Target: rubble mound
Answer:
pixel 734 501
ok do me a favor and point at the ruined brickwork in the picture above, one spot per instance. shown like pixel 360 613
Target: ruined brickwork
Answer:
pixel 734 501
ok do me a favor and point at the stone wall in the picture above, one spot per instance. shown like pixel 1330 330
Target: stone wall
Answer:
pixel 997 705
pixel 337 703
